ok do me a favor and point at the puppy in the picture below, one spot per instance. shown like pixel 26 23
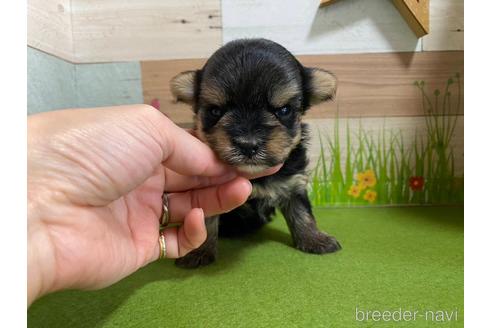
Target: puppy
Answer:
pixel 248 101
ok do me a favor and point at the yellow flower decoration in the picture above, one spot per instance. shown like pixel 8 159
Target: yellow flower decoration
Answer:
pixel 370 196
pixel 367 179
pixel 354 191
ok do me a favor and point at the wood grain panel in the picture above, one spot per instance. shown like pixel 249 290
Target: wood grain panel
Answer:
pixel 49 27
pixel 369 84
pixel 155 85
pixel 115 30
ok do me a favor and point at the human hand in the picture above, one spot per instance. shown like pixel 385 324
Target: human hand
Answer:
pixel 95 181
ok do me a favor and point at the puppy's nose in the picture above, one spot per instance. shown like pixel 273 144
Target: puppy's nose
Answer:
pixel 247 146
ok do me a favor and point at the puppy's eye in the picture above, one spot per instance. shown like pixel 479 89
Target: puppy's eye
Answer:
pixel 283 112
pixel 215 111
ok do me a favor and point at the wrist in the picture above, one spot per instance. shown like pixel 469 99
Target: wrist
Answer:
pixel 40 257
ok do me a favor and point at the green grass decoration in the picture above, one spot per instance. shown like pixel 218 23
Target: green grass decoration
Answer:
pixel 383 169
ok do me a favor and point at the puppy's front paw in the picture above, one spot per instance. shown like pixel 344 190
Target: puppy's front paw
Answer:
pixel 318 243
pixel 196 258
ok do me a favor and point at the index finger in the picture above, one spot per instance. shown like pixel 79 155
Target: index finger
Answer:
pixel 175 182
pixel 184 153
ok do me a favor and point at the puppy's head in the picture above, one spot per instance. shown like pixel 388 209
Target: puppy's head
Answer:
pixel 248 100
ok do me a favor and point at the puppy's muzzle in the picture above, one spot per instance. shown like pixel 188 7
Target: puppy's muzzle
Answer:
pixel 248 146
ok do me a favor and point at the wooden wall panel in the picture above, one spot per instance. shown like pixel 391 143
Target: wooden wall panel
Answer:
pixel 446 26
pixel 155 85
pixel 115 30
pixel 49 27
pixel 369 84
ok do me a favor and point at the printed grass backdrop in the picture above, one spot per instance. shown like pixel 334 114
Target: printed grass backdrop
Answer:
pixel 361 167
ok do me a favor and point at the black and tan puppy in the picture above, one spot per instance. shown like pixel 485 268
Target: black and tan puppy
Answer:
pixel 248 100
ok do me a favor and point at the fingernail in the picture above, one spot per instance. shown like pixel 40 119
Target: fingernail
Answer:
pixel 250 186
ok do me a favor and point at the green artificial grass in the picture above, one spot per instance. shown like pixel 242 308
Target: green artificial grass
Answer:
pixel 392 258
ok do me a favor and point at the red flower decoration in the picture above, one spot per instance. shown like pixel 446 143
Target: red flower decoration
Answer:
pixel 416 183
pixel 155 102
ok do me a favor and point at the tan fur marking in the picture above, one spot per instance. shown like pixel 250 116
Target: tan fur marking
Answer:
pixel 271 120
pixel 251 169
pixel 282 95
pixel 280 189
pixel 183 86
pixel 212 94
pixel 220 142
pixel 281 143
pixel 324 86
pixel 218 139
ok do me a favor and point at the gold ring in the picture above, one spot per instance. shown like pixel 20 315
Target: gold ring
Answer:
pixel 162 246
pixel 164 221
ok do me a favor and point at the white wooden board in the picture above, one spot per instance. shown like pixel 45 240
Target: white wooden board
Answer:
pixel 49 27
pixel 446 26
pixel 116 30
pixel 89 31
pixel 348 26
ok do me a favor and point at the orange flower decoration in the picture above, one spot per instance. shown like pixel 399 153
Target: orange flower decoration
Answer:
pixel 370 196
pixel 367 179
pixel 354 191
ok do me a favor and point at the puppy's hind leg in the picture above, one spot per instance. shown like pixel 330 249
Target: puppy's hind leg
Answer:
pixel 207 252
pixel 302 225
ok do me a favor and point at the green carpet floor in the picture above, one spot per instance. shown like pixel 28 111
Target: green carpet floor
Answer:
pixel 392 258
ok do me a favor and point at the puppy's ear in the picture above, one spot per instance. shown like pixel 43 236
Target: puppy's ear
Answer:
pixel 321 85
pixel 184 85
